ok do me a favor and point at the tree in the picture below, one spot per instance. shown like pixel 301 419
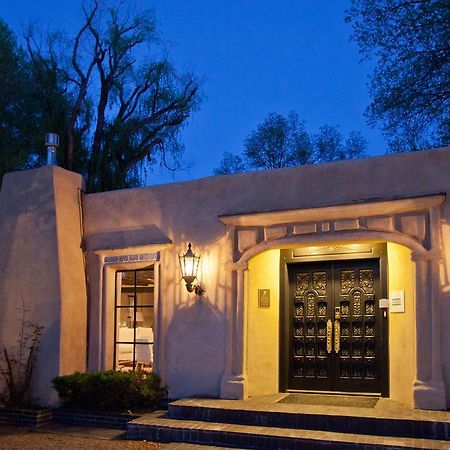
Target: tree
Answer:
pixel 410 41
pixel 127 105
pixel 329 145
pixel 13 153
pixel 283 141
pixel 278 142
pixel 231 164
pixel 32 101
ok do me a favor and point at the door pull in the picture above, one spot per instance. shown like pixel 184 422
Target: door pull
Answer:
pixel 337 329
pixel 329 336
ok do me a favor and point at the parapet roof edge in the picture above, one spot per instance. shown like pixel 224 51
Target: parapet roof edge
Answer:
pixel 360 207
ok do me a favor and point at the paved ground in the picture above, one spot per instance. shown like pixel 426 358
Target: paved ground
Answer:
pixel 55 436
pixel 68 438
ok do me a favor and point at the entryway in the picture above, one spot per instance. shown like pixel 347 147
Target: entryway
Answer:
pixel 334 335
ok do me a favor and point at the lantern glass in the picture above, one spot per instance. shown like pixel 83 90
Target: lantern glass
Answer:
pixel 189 264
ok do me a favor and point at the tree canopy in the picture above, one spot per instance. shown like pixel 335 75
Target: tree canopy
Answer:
pixel 109 91
pixel 281 141
pixel 32 101
pixel 410 42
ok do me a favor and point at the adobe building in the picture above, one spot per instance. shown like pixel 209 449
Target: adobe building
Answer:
pixel 323 278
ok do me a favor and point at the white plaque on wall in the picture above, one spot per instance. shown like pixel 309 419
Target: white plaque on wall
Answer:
pixel 397 302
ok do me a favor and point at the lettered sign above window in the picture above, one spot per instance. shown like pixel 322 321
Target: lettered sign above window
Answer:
pixel 142 257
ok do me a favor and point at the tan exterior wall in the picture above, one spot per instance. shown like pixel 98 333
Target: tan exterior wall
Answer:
pixel 402 355
pixel 73 337
pixel 200 343
pixel 262 332
pixel 152 217
pixel 42 265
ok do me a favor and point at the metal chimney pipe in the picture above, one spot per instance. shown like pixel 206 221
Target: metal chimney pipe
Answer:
pixel 52 143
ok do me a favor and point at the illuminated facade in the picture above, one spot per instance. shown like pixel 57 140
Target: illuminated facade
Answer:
pixel 330 277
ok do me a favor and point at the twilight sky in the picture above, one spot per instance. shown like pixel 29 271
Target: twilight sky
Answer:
pixel 256 57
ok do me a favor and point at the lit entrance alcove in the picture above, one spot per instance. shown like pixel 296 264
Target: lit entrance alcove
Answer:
pixel 412 224
pixel 313 321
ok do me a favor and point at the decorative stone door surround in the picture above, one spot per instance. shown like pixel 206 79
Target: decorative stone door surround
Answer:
pixel 413 222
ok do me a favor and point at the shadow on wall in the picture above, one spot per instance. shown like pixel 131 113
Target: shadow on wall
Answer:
pixel 195 350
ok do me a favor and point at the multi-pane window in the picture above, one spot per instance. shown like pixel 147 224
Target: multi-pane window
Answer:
pixel 133 319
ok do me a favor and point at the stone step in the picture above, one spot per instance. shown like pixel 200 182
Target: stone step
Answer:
pixel 157 427
pixel 414 424
pixel 183 446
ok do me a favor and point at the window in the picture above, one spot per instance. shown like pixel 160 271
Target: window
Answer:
pixel 133 319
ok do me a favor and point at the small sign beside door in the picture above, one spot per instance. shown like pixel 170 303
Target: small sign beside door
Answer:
pixel 263 298
pixel 397 302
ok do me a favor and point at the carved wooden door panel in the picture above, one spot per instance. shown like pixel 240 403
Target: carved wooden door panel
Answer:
pixel 334 326
pixel 310 364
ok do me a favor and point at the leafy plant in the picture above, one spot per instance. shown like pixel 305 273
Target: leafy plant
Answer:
pixel 110 390
pixel 17 364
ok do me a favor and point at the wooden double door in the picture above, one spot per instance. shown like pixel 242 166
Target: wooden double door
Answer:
pixel 335 332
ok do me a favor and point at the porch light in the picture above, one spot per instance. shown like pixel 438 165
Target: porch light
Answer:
pixel 189 266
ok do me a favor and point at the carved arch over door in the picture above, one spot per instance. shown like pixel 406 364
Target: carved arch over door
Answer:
pixel 413 222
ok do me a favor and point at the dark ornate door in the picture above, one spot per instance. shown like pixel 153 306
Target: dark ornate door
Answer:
pixel 335 337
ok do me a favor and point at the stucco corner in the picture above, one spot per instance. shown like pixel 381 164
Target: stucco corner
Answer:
pixel 429 396
pixel 232 387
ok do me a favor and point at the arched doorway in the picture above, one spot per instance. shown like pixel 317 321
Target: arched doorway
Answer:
pixel 413 223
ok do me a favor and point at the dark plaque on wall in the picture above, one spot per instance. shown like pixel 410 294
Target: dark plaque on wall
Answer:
pixel 263 298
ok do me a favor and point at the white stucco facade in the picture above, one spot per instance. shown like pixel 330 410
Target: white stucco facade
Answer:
pixel 211 346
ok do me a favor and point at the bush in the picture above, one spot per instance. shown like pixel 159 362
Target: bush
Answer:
pixel 110 390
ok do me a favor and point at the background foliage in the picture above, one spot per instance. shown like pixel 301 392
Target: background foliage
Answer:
pixel 281 141
pixel 410 87
pixel 110 92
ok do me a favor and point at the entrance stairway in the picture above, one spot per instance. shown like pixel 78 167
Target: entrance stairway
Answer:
pixel 268 423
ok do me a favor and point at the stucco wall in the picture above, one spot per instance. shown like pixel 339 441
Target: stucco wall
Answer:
pixel 42 266
pixel 73 337
pixel 401 277
pixel 262 328
pixel 188 212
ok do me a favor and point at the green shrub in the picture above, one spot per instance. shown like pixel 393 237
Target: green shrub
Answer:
pixel 110 390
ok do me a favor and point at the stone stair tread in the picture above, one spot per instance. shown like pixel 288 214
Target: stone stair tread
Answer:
pixel 183 446
pixel 161 421
pixel 395 422
pixel 296 409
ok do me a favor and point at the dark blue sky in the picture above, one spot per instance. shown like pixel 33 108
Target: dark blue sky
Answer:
pixel 256 57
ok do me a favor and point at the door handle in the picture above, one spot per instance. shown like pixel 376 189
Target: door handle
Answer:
pixel 337 329
pixel 337 336
pixel 329 336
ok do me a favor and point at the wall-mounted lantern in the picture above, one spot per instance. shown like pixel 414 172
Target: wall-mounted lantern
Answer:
pixel 189 265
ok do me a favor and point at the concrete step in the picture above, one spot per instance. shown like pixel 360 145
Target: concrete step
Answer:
pixel 157 427
pixel 183 446
pixel 411 424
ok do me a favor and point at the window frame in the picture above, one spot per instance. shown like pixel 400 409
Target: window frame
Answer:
pixel 135 290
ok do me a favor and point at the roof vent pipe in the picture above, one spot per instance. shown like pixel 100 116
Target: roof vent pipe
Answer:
pixel 52 143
